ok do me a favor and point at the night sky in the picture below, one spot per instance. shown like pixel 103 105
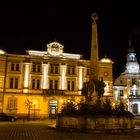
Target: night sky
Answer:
pixel 33 25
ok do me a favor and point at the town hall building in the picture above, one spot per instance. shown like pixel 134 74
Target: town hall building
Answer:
pixel 39 83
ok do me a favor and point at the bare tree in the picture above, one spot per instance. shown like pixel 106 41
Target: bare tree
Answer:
pixel 28 105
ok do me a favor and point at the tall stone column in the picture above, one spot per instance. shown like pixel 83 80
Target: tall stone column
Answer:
pixel 128 91
pixel 80 78
pixel 94 49
pixel 63 76
pixel 26 77
pixel 45 76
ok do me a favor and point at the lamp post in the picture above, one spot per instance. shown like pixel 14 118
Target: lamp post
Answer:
pixel 34 104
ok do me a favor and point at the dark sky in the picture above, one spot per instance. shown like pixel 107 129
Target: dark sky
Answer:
pixel 33 25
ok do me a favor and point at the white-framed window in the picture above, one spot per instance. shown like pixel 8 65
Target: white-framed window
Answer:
pixel 14 67
pixel 12 103
pixel 36 67
pixel 14 82
pixel 71 85
pixel 71 69
pixel 35 83
pixel 53 84
pixel 54 69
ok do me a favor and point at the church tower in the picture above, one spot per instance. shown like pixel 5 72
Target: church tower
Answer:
pixel 94 68
pixel 132 66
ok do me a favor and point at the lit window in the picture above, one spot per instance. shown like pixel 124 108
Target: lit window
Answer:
pixel 14 82
pixel 12 103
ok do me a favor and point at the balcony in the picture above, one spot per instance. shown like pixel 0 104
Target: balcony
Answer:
pixel 53 92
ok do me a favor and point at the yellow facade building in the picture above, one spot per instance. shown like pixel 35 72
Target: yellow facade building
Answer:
pixel 40 82
pixel 47 79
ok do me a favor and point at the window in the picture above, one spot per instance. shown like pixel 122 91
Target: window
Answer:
pixel 71 70
pixel 35 83
pixel 133 81
pixel 14 82
pixel 121 93
pixel 36 67
pixel 121 81
pixel 14 67
pixel 131 92
pixel 88 71
pixel 54 68
pixel 70 85
pixel 53 84
pixel 12 103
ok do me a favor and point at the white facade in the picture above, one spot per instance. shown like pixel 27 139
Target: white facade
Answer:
pixel 127 85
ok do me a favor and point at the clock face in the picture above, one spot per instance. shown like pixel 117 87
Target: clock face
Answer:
pixel 133 68
pixel 105 74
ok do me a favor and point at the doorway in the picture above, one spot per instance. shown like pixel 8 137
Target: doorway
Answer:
pixel 53 108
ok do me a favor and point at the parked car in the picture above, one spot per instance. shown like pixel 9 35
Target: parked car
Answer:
pixel 6 117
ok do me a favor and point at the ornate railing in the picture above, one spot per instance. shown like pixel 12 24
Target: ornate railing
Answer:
pixel 53 92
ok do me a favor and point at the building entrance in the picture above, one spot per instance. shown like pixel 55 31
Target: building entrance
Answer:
pixel 53 108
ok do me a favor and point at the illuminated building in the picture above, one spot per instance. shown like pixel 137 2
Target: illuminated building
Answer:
pixel 40 82
pixel 127 85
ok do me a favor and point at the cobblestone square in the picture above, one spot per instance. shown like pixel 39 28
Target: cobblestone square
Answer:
pixel 41 131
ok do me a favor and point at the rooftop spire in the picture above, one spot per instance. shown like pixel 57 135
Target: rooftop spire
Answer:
pixel 130 43
pixel 130 48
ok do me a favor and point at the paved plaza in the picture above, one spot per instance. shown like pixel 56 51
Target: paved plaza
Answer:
pixel 41 131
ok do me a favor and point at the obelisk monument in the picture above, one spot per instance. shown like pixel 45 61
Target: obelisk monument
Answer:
pixel 94 68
